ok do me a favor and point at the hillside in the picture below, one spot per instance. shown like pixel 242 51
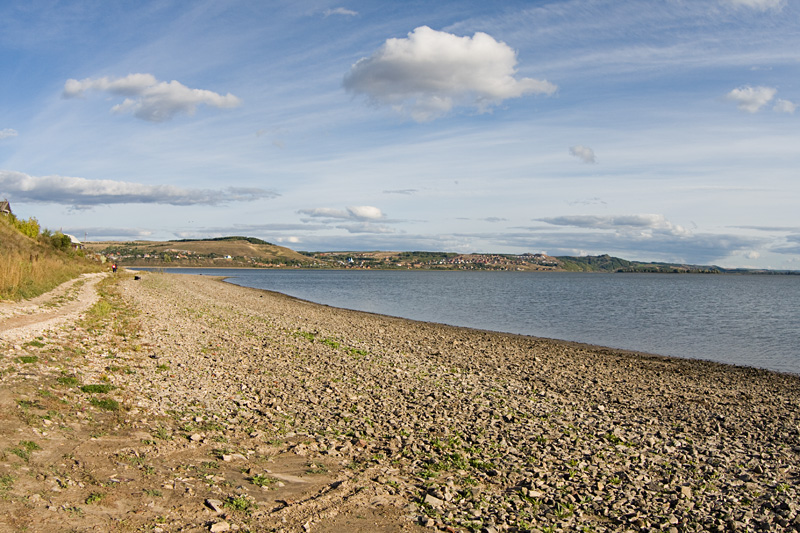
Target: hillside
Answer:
pixel 34 262
pixel 222 252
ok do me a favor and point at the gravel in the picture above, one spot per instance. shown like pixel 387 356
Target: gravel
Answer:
pixel 469 430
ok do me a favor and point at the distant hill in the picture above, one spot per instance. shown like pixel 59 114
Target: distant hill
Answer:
pixel 607 263
pixel 235 251
pixel 239 251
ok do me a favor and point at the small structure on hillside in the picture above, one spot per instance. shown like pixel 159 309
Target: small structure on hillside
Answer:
pixel 74 242
pixel 5 207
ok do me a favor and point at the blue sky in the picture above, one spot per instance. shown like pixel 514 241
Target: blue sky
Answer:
pixel 653 130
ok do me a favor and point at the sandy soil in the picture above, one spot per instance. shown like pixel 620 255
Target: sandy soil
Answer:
pixel 181 403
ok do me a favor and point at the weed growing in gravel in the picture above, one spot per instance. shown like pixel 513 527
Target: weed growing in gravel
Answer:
pixel 107 404
pixel 6 482
pixel 28 359
pixel 162 433
pixel 94 497
pixel 261 480
pixel 153 493
pixel 27 404
pixel 35 343
pixel 240 503
pixel 100 388
pixel 24 449
pixel 306 335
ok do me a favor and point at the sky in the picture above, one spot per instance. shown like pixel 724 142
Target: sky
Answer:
pixel 652 130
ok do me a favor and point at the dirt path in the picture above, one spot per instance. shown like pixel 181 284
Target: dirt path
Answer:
pixel 29 318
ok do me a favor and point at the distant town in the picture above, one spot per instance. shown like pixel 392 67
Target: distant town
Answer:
pixel 250 252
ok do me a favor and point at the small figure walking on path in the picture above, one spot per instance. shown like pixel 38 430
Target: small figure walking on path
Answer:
pixel 114 268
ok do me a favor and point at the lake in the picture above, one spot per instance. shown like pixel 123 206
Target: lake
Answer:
pixel 751 320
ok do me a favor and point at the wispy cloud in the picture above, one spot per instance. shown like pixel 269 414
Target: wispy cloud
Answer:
pixel 584 153
pixel 430 72
pixel 784 106
pixel 150 99
pixel 625 223
pixel 760 5
pixel 82 192
pixel 7 133
pixel 340 11
pixel 401 191
pixel 751 99
pixel 360 219
pixel 361 212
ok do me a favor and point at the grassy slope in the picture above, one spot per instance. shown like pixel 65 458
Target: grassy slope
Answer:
pixel 29 267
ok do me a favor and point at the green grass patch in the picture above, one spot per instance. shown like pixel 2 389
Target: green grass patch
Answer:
pixel 306 335
pixel 94 497
pixel 162 433
pixel 6 482
pixel 27 359
pixel 23 451
pixel 107 404
pixel 35 344
pixel 68 381
pixel 261 480
pixel 100 310
pixel 332 343
pixel 240 503
pixel 97 388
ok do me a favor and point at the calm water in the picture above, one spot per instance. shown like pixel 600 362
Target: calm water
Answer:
pixel 743 320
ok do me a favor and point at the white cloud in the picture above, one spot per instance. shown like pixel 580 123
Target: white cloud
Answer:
pixel 366 227
pixel 365 212
pixel 584 153
pixel 82 192
pixel 430 72
pixel 642 224
pixel 360 219
pixel 340 11
pixel 362 212
pixel 784 106
pixel 150 99
pixel 751 99
pixel 761 5
pixel 7 133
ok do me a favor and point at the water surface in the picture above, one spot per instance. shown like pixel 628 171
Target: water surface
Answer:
pixel 739 319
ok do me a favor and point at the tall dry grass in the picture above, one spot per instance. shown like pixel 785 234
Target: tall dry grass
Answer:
pixel 24 275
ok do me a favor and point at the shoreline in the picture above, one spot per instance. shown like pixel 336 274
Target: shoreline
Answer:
pixel 366 422
pixel 787 365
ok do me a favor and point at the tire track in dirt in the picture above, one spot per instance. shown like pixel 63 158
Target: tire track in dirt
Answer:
pixel 21 320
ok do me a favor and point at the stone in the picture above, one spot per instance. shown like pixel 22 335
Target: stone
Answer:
pixel 433 501
pixel 219 527
pixel 216 505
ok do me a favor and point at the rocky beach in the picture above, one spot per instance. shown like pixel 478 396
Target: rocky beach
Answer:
pixel 183 403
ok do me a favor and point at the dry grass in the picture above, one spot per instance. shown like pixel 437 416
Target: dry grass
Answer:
pixel 29 268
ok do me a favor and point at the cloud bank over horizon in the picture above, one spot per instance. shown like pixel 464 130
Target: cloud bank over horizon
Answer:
pixel 85 193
